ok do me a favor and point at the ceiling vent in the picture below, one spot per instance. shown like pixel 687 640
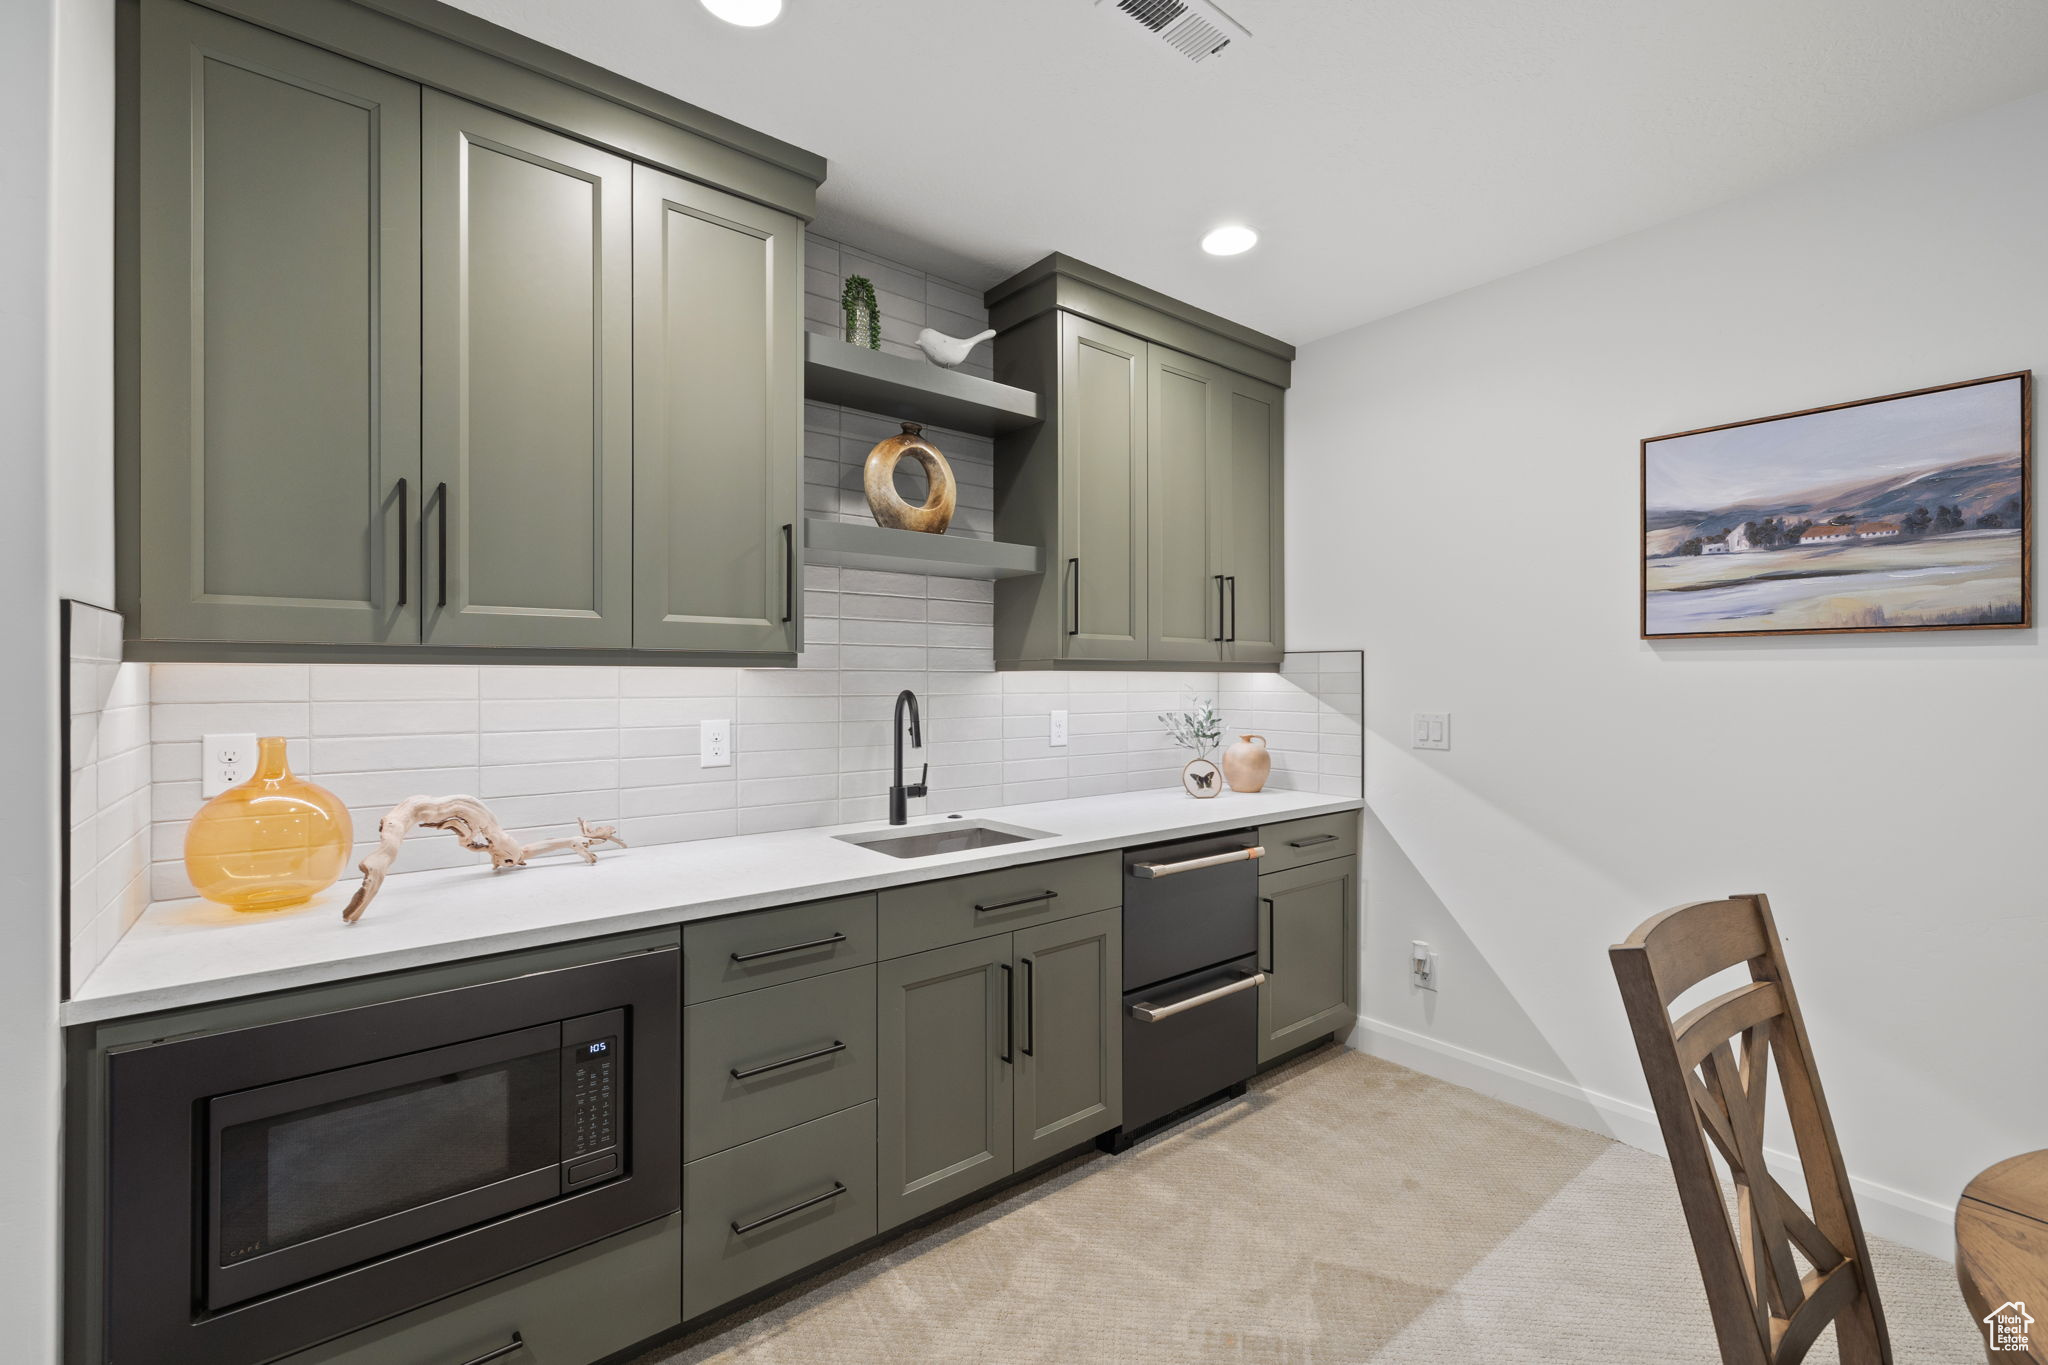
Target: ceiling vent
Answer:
pixel 1196 29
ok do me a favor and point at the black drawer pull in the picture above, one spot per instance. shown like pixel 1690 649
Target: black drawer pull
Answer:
pixel 517 1343
pixel 1311 840
pixel 837 1189
pixel 828 940
pixel 1021 900
pixel 811 1056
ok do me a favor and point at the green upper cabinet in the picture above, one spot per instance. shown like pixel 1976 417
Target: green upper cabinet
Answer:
pixel 272 442
pixel 498 359
pixel 1102 490
pixel 528 358
pixel 1154 483
pixel 717 316
pixel 1247 475
pixel 1185 510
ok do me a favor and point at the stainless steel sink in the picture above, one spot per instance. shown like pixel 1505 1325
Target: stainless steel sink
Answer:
pixel 950 837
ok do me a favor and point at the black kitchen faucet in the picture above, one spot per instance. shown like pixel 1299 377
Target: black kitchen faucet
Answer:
pixel 899 795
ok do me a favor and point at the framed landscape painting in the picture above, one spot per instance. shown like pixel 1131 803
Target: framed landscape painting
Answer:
pixel 1907 512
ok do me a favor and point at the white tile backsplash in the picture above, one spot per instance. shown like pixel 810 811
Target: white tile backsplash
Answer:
pixel 108 786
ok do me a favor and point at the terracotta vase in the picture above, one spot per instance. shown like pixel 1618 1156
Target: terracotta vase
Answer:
pixel 1246 765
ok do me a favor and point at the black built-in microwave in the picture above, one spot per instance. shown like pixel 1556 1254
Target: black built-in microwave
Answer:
pixel 280 1185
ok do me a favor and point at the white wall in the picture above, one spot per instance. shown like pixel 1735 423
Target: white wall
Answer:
pixel 1463 499
pixel 56 78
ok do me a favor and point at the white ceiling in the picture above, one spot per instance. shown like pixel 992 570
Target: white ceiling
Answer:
pixel 1389 151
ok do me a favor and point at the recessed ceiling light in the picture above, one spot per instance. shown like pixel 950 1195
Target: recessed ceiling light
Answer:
pixel 746 13
pixel 1230 240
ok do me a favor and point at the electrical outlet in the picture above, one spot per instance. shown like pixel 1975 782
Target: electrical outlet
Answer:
pixel 1432 730
pixel 1056 735
pixel 714 744
pixel 225 761
pixel 1422 965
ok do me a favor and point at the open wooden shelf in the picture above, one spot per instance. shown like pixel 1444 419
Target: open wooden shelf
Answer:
pixel 850 545
pixel 911 390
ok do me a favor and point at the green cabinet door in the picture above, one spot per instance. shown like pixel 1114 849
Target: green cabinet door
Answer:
pixel 1186 508
pixel 528 424
pixel 716 449
pixel 1102 523
pixel 1308 927
pixel 944 1050
pixel 1249 479
pixel 1069 1079
pixel 271 472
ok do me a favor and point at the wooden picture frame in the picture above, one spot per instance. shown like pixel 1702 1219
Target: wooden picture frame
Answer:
pixel 1851 518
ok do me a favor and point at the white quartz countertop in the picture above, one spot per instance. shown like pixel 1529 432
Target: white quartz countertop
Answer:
pixel 188 952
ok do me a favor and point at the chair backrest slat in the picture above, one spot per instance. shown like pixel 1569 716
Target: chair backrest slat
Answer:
pixel 1708 1074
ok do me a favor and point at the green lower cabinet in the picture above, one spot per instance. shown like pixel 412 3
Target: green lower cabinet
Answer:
pixel 760 1062
pixel 1069 1079
pixel 579 1307
pixel 768 1208
pixel 1308 932
pixel 944 1050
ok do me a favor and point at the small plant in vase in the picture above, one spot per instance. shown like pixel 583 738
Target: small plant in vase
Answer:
pixel 1198 730
pixel 863 314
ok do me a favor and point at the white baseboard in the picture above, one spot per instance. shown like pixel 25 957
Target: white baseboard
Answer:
pixel 1923 1224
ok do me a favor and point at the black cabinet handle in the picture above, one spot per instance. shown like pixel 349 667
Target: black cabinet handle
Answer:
pixel 767 1067
pixel 441 495
pixel 1219 609
pixel 1272 933
pixel 1009 1012
pixel 1074 578
pixel 1030 1006
pixel 517 1343
pixel 741 1229
pixel 758 954
pixel 1021 900
pixel 404 535
pixel 1232 580
pixel 788 571
pixel 1312 841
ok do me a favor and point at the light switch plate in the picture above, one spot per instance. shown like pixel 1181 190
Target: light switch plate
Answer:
pixel 1432 730
pixel 225 761
pixel 1056 733
pixel 714 744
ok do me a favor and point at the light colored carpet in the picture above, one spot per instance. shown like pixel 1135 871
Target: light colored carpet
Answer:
pixel 1347 1210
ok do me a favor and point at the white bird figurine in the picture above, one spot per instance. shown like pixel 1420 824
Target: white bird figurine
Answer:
pixel 947 351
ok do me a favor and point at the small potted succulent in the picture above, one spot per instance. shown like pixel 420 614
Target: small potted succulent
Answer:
pixel 1198 729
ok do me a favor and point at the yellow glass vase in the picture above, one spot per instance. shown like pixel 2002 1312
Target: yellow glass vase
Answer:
pixel 274 841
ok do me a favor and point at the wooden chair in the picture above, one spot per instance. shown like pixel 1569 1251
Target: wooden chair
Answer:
pixel 1708 1073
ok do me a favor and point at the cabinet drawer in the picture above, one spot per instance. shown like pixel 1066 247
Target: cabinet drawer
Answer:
pixel 768 947
pixel 775 1205
pixel 934 914
pixel 581 1306
pixel 757 1063
pixel 1296 843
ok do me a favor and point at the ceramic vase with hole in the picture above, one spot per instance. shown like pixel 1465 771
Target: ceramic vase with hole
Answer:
pixel 878 481
pixel 1201 778
pixel 274 841
pixel 1247 765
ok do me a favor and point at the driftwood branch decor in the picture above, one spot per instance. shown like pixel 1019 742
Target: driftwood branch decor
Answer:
pixel 470 821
